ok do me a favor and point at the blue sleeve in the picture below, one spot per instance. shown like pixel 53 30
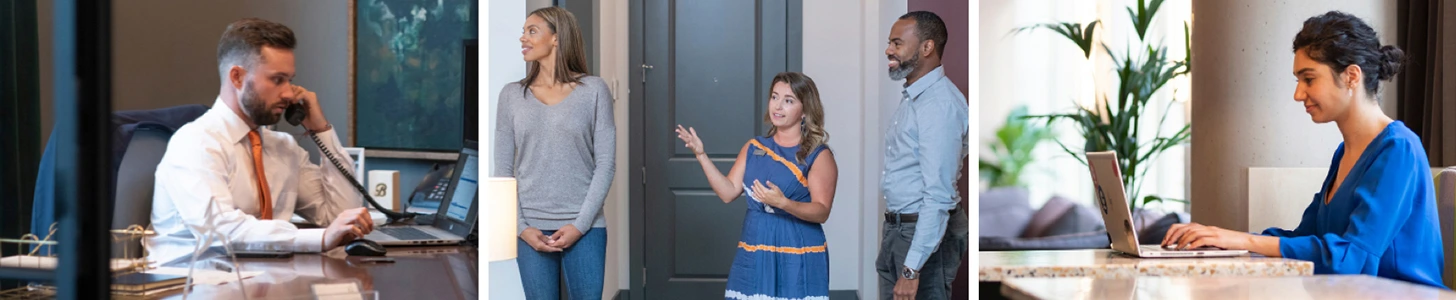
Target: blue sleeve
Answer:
pixel 1385 194
pixel 941 135
pixel 1306 223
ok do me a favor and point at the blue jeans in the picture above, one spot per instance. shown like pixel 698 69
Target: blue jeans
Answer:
pixel 584 264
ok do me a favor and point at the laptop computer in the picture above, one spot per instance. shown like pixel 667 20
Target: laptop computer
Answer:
pixel 456 217
pixel 1112 200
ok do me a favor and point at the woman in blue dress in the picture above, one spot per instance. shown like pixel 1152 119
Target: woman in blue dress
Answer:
pixel 789 176
pixel 1376 212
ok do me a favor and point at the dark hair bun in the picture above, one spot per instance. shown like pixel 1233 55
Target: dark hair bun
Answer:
pixel 1339 40
pixel 1392 60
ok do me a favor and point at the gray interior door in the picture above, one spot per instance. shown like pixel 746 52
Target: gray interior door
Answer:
pixel 705 64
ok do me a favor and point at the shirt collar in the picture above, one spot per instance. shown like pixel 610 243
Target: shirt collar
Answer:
pixel 912 91
pixel 234 128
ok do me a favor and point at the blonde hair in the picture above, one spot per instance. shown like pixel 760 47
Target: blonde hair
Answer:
pixel 570 53
pixel 813 124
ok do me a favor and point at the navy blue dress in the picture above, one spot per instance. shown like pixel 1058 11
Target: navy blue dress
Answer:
pixel 1381 222
pixel 779 256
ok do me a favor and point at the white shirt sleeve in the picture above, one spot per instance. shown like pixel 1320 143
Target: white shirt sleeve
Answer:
pixel 323 191
pixel 199 175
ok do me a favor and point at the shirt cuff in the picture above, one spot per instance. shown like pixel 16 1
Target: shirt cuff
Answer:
pixel 309 240
pixel 914 260
pixel 330 138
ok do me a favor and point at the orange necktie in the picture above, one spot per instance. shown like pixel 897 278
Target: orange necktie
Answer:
pixel 263 195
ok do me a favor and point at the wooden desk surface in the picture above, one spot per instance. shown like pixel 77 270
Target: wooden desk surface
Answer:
pixel 1296 287
pixel 1104 263
pixel 417 273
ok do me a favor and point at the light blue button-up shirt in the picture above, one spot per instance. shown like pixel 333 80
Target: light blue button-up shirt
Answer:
pixel 923 151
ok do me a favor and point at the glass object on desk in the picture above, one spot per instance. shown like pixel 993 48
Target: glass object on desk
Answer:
pixel 209 235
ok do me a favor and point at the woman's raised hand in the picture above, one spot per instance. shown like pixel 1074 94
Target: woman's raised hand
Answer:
pixel 690 139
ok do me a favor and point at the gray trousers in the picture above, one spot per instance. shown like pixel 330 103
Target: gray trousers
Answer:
pixel 940 267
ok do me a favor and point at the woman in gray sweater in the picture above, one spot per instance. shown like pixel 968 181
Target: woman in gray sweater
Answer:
pixel 555 134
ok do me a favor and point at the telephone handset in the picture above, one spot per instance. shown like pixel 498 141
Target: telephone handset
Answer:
pixel 294 114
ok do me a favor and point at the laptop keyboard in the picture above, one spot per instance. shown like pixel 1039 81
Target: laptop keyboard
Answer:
pixel 1160 248
pixel 406 233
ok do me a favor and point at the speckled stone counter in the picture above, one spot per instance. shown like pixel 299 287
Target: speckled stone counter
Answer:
pixel 1320 287
pixel 1104 263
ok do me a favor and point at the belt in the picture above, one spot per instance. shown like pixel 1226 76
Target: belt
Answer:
pixel 894 218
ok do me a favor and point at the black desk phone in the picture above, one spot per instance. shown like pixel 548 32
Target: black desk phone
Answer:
pixel 431 190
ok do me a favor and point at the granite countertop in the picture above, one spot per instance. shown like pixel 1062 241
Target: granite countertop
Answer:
pixel 1104 263
pixel 1296 287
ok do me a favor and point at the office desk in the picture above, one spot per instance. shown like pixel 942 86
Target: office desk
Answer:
pixel 1301 287
pixel 1104 263
pixel 417 273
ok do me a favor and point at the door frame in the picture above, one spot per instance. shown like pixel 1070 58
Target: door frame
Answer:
pixel 637 154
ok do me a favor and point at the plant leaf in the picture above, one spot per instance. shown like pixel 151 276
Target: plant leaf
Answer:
pixel 1080 35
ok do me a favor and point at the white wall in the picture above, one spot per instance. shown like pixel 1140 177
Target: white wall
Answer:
pixel 614 42
pixel 858 95
pixel 974 82
pixel 500 25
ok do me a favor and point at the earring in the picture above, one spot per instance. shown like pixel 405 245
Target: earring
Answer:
pixel 1350 92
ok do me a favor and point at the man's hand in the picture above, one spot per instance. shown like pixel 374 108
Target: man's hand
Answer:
pixel 349 225
pixel 315 121
pixel 538 241
pixel 565 237
pixel 905 288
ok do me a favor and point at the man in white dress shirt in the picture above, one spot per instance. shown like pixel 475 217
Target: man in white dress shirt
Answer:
pixel 255 178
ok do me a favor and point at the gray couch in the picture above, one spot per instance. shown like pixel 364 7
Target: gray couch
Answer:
pixel 1007 222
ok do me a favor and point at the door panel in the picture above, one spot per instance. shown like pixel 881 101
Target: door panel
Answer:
pixel 710 66
pixel 714 76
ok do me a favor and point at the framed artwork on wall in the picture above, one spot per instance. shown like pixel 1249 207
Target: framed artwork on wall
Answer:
pixel 406 74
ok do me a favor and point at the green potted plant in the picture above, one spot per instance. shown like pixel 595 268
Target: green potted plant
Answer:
pixel 1011 149
pixel 1116 124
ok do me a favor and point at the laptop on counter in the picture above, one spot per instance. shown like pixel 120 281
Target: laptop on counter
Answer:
pixel 1112 201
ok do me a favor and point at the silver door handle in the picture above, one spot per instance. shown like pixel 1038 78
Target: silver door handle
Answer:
pixel 645 67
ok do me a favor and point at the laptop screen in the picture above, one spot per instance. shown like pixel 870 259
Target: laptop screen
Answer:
pixel 465 189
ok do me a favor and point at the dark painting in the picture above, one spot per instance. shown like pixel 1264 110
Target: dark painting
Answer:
pixel 408 55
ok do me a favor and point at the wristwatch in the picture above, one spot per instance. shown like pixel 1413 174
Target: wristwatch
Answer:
pixel 910 274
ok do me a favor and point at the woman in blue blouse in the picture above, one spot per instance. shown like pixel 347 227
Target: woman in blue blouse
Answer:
pixel 789 176
pixel 1376 213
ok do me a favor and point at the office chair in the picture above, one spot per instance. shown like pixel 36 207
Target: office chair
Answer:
pixel 162 121
pixel 134 181
pixel 1446 209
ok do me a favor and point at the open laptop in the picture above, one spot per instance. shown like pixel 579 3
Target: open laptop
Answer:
pixel 1107 178
pixel 456 216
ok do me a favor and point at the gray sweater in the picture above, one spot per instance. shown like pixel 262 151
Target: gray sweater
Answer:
pixel 562 155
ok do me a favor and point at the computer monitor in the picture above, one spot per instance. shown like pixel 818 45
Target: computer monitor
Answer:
pixel 471 87
pixel 458 212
